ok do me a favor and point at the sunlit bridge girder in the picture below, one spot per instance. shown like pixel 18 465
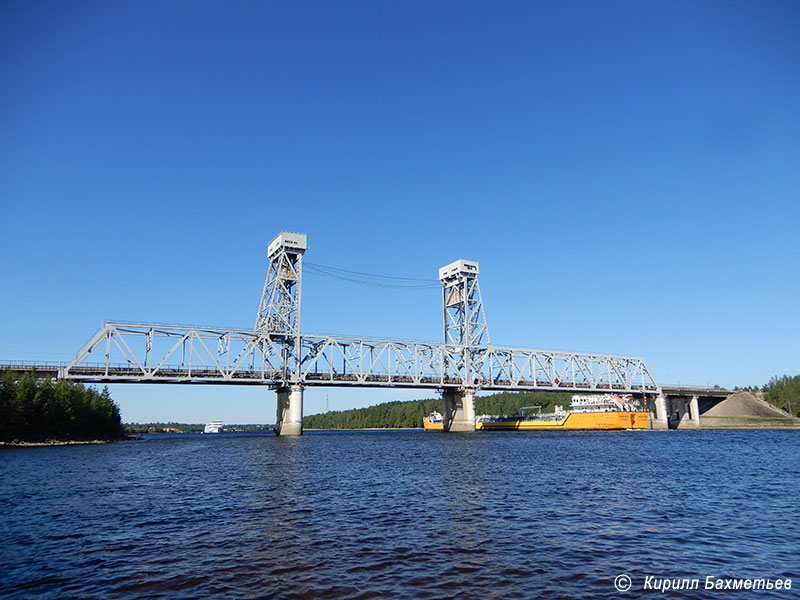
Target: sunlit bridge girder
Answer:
pixel 141 352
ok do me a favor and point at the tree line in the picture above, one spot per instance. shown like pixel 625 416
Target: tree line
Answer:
pixel 34 410
pixel 784 392
pixel 175 427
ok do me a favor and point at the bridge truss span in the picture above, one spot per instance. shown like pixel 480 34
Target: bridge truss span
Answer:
pixel 376 362
pixel 370 362
pixel 497 368
pixel 140 352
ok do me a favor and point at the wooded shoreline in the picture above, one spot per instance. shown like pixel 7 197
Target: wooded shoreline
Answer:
pixel 42 412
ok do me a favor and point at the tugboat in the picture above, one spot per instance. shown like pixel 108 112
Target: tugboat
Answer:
pixel 433 421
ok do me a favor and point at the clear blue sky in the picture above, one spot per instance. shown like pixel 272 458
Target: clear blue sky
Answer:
pixel 627 174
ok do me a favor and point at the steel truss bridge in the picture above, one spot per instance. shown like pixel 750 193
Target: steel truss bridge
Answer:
pixel 276 353
pixel 147 353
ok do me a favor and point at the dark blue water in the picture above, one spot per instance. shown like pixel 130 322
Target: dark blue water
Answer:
pixel 400 515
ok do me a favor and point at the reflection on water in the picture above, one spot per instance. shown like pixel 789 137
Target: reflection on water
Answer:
pixel 398 514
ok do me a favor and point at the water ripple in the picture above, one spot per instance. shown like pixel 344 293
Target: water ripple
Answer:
pixel 397 514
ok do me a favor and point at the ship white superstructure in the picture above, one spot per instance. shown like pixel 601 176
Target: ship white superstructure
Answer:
pixel 213 427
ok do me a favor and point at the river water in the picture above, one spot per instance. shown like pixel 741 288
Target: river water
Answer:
pixel 401 514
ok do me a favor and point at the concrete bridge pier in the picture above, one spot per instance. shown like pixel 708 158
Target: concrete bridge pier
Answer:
pixel 458 410
pixel 695 408
pixel 687 413
pixel 290 411
pixel 694 413
pixel 661 420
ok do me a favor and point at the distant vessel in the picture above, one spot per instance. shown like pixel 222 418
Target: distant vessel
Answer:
pixel 213 427
pixel 609 411
pixel 433 421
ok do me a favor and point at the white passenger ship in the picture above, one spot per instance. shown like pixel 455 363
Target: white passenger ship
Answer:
pixel 213 427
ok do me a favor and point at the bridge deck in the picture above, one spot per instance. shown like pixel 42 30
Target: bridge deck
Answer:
pixel 690 390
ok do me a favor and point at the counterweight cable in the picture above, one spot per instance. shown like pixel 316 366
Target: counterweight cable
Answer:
pixel 370 279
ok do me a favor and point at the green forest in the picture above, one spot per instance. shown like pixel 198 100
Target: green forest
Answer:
pixel 409 414
pixel 34 410
pixel 784 392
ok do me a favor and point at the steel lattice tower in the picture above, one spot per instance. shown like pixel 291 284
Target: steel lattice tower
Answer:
pixel 465 326
pixel 279 311
pixel 464 318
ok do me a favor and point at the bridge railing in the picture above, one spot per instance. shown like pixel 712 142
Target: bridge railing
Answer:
pixel 29 364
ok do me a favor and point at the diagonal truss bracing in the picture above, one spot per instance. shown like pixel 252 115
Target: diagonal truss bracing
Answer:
pixel 173 354
pixel 498 368
pixel 140 352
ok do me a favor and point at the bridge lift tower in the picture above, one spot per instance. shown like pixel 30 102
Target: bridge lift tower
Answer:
pixel 465 331
pixel 279 320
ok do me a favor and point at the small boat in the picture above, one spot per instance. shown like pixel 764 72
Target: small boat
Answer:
pixel 433 421
pixel 213 427
pixel 607 411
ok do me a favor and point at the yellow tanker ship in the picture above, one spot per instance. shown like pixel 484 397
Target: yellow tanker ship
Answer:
pixel 609 412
